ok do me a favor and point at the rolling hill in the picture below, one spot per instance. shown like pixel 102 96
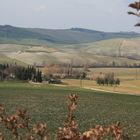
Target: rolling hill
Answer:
pixel 76 45
pixel 36 36
pixel 120 51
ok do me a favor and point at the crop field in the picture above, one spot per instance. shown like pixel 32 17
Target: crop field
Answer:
pixel 47 103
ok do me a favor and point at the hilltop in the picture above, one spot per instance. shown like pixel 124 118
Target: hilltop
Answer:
pixel 36 36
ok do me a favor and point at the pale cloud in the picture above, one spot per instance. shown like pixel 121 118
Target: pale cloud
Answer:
pixel 41 8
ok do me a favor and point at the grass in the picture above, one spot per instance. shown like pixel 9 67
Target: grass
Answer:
pixel 126 87
pixel 48 104
pixel 129 77
pixel 123 73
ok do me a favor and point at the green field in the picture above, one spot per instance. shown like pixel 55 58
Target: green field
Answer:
pixel 48 104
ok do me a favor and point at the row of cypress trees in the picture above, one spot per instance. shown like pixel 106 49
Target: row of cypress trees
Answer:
pixel 28 73
pixel 20 73
pixel 108 79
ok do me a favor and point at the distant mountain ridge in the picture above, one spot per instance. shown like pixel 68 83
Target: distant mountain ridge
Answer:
pixel 11 34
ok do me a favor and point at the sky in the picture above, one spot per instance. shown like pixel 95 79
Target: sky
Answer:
pixel 103 15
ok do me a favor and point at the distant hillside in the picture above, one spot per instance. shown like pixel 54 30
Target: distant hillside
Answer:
pixel 36 36
pixel 76 45
pixel 120 51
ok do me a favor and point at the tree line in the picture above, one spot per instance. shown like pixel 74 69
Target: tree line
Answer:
pixel 107 79
pixel 16 72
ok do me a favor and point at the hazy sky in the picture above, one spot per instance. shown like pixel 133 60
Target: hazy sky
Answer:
pixel 104 15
